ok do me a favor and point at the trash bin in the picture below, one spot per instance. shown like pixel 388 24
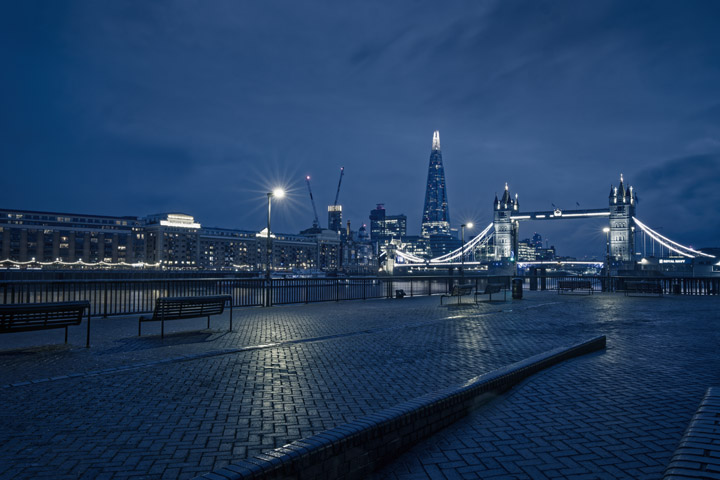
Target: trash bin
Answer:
pixel 517 284
pixel 400 293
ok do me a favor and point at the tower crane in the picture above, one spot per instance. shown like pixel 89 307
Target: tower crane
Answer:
pixel 342 172
pixel 316 222
pixel 335 210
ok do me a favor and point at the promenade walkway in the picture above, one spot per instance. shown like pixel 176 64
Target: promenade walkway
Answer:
pixel 139 407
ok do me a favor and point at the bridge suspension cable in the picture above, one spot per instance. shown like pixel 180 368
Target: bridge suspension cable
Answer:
pixel 481 237
pixel 409 257
pixel 669 244
pixel 468 247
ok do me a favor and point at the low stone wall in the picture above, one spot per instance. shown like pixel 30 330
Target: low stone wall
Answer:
pixel 698 455
pixel 357 448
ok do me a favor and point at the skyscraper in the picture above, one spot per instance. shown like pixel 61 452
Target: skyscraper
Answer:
pixel 436 216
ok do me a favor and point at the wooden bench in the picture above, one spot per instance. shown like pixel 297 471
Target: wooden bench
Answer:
pixel 572 285
pixel 180 308
pixel 642 287
pixel 27 317
pixel 458 291
pixel 491 288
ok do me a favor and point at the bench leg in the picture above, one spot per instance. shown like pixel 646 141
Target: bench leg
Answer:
pixel 162 327
pixel 66 335
pixel 139 326
pixel 231 316
pixel 87 339
pixel 208 322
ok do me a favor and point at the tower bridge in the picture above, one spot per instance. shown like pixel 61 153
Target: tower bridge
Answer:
pixel 503 232
pixel 620 212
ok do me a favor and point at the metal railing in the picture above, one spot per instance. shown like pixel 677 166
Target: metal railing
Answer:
pixel 135 296
pixel 668 285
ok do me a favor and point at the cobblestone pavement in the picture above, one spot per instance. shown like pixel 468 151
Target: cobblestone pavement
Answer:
pixel 132 407
pixel 619 414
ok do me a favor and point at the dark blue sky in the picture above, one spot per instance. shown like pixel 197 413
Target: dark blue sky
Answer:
pixel 133 108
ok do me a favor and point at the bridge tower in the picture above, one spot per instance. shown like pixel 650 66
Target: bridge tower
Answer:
pixel 622 230
pixel 506 229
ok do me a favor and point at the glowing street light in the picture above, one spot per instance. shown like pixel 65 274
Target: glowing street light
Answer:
pixel 277 193
pixel 607 252
pixel 462 247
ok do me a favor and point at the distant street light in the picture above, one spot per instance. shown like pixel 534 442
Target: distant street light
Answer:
pixel 277 193
pixel 607 250
pixel 462 248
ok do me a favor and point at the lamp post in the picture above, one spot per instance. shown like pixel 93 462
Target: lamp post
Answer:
pixel 607 255
pixel 277 193
pixel 462 248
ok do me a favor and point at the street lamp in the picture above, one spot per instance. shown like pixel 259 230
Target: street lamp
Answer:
pixel 607 251
pixel 462 248
pixel 277 193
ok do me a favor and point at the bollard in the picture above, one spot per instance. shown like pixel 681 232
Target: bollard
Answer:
pixel 517 288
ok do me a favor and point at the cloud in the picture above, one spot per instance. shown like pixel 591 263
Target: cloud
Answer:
pixel 682 196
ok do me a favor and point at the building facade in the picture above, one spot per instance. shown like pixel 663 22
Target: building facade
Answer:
pixel 30 236
pixel 335 218
pixel 169 241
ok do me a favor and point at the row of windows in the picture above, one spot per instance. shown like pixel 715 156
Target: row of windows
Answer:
pixel 53 218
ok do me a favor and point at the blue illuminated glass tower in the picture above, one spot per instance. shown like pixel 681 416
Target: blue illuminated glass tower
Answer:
pixel 436 216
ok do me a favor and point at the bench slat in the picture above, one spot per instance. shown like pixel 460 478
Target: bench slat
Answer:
pixel 573 285
pixel 180 308
pixel 28 317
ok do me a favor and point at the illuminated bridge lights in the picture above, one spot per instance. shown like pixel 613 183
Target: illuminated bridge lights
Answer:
pixel 669 244
pixel 480 239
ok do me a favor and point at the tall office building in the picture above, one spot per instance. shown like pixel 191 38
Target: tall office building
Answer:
pixel 335 218
pixel 377 223
pixel 436 216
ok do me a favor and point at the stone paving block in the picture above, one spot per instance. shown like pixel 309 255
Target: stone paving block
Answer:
pixel 655 362
pixel 291 372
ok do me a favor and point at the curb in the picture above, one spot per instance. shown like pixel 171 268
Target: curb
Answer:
pixel 356 449
pixel 698 455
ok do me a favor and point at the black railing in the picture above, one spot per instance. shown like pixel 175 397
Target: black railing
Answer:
pixel 668 285
pixel 135 296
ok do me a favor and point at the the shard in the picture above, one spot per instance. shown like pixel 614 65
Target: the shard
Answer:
pixel 436 216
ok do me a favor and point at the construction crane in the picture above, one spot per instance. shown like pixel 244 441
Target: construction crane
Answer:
pixel 342 172
pixel 316 222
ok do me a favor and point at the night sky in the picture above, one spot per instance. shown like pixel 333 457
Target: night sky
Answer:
pixel 134 108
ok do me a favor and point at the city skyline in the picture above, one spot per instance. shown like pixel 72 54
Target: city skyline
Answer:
pixel 113 109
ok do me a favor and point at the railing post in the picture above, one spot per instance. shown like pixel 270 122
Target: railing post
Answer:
pixel 337 289
pixel 105 301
